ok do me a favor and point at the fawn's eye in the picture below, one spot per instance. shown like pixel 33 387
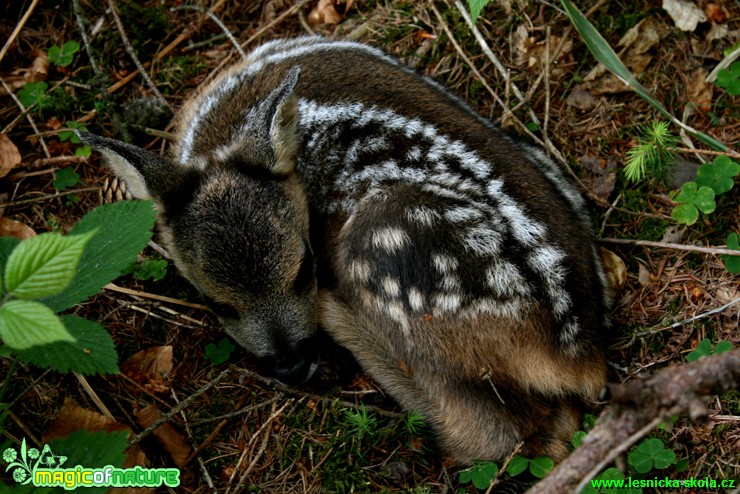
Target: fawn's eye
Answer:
pixel 305 272
pixel 222 310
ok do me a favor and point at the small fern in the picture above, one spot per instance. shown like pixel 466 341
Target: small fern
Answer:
pixel 652 156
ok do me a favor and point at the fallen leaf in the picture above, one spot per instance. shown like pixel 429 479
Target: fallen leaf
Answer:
pixel 699 91
pixel 171 440
pixel 532 52
pixel 716 13
pixel 614 268
pixel 149 368
pixel 10 157
pixel 600 175
pixel 72 417
pixel 686 15
pixel 644 276
pixel 39 70
pixel 13 228
pixel 581 99
pixel 329 12
pixel 635 45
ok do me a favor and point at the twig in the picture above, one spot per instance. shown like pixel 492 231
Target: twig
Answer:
pixel 682 322
pixel 665 245
pixel 180 406
pixel 132 53
pixel 202 465
pixel 161 298
pixel 24 111
pixel 220 24
pixel 18 29
pixel 708 152
pixel 94 396
pixel 50 197
pixel 239 412
pixel 86 39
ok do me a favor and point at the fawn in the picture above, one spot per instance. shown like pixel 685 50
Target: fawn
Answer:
pixel 323 184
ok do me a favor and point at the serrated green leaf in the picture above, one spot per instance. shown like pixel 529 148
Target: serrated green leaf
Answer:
pixel 92 450
pixel 7 244
pixel 541 466
pixel 123 230
pixel 93 352
pixel 151 269
pixel 26 323
pixel 685 213
pixel 475 7
pixel 44 265
pixel 517 465
pixel 33 93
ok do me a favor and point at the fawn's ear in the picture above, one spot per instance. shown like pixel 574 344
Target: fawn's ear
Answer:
pixel 147 175
pixel 268 136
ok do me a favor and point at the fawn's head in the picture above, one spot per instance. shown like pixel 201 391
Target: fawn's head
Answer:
pixel 236 225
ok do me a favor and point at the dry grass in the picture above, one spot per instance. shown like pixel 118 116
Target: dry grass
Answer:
pixel 287 440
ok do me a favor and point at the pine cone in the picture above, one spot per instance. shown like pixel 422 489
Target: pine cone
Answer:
pixel 113 190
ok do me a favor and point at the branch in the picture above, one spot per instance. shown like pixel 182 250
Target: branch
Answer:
pixel 635 405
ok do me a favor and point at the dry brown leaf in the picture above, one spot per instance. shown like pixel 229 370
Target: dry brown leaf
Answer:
pixel 635 45
pixel 644 276
pixel 10 157
pixel 686 15
pixel 533 53
pixel 172 441
pixel 147 368
pixel 13 228
pixel 72 417
pixel 329 12
pixel 699 91
pixel 601 175
pixel 614 268
pixel 39 70
pixel 581 99
pixel 716 13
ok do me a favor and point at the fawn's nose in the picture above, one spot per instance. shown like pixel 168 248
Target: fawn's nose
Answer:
pixel 294 367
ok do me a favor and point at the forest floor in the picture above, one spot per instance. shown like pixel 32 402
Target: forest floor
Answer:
pixel 341 433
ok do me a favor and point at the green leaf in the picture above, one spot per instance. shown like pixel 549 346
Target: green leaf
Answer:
pixel 26 323
pixel 7 244
pixel 604 54
pixel 685 213
pixel 517 465
pixel 475 7
pixel 92 450
pixel 44 265
pixel 151 269
pixel 63 56
pixel 703 349
pixel 84 151
pixel 481 474
pixel 69 135
pixel 704 200
pixel 33 93
pixel 577 438
pixel 732 263
pixel 730 79
pixel 66 178
pixel 93 352
pixel 123 230
pixel 220 352
pixel 541 466
pixel 687 193
pixel 722 347
pixel 718 175
pixel 650 454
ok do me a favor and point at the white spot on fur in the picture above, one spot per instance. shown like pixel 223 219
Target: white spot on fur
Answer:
pixel 462 214
pixel 481 240
pixel 390 239
pixel 447 302
pixel 506 280
pixel 548 262
pixel 422 216
pixel 444 264
pixel 416 299
pixel 391 286
pixel 526 230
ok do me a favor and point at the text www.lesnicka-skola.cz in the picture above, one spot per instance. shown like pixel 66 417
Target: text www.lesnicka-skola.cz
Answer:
pixel 665 482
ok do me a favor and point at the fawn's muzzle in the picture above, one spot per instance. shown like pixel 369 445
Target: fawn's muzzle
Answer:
pixel 293 367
